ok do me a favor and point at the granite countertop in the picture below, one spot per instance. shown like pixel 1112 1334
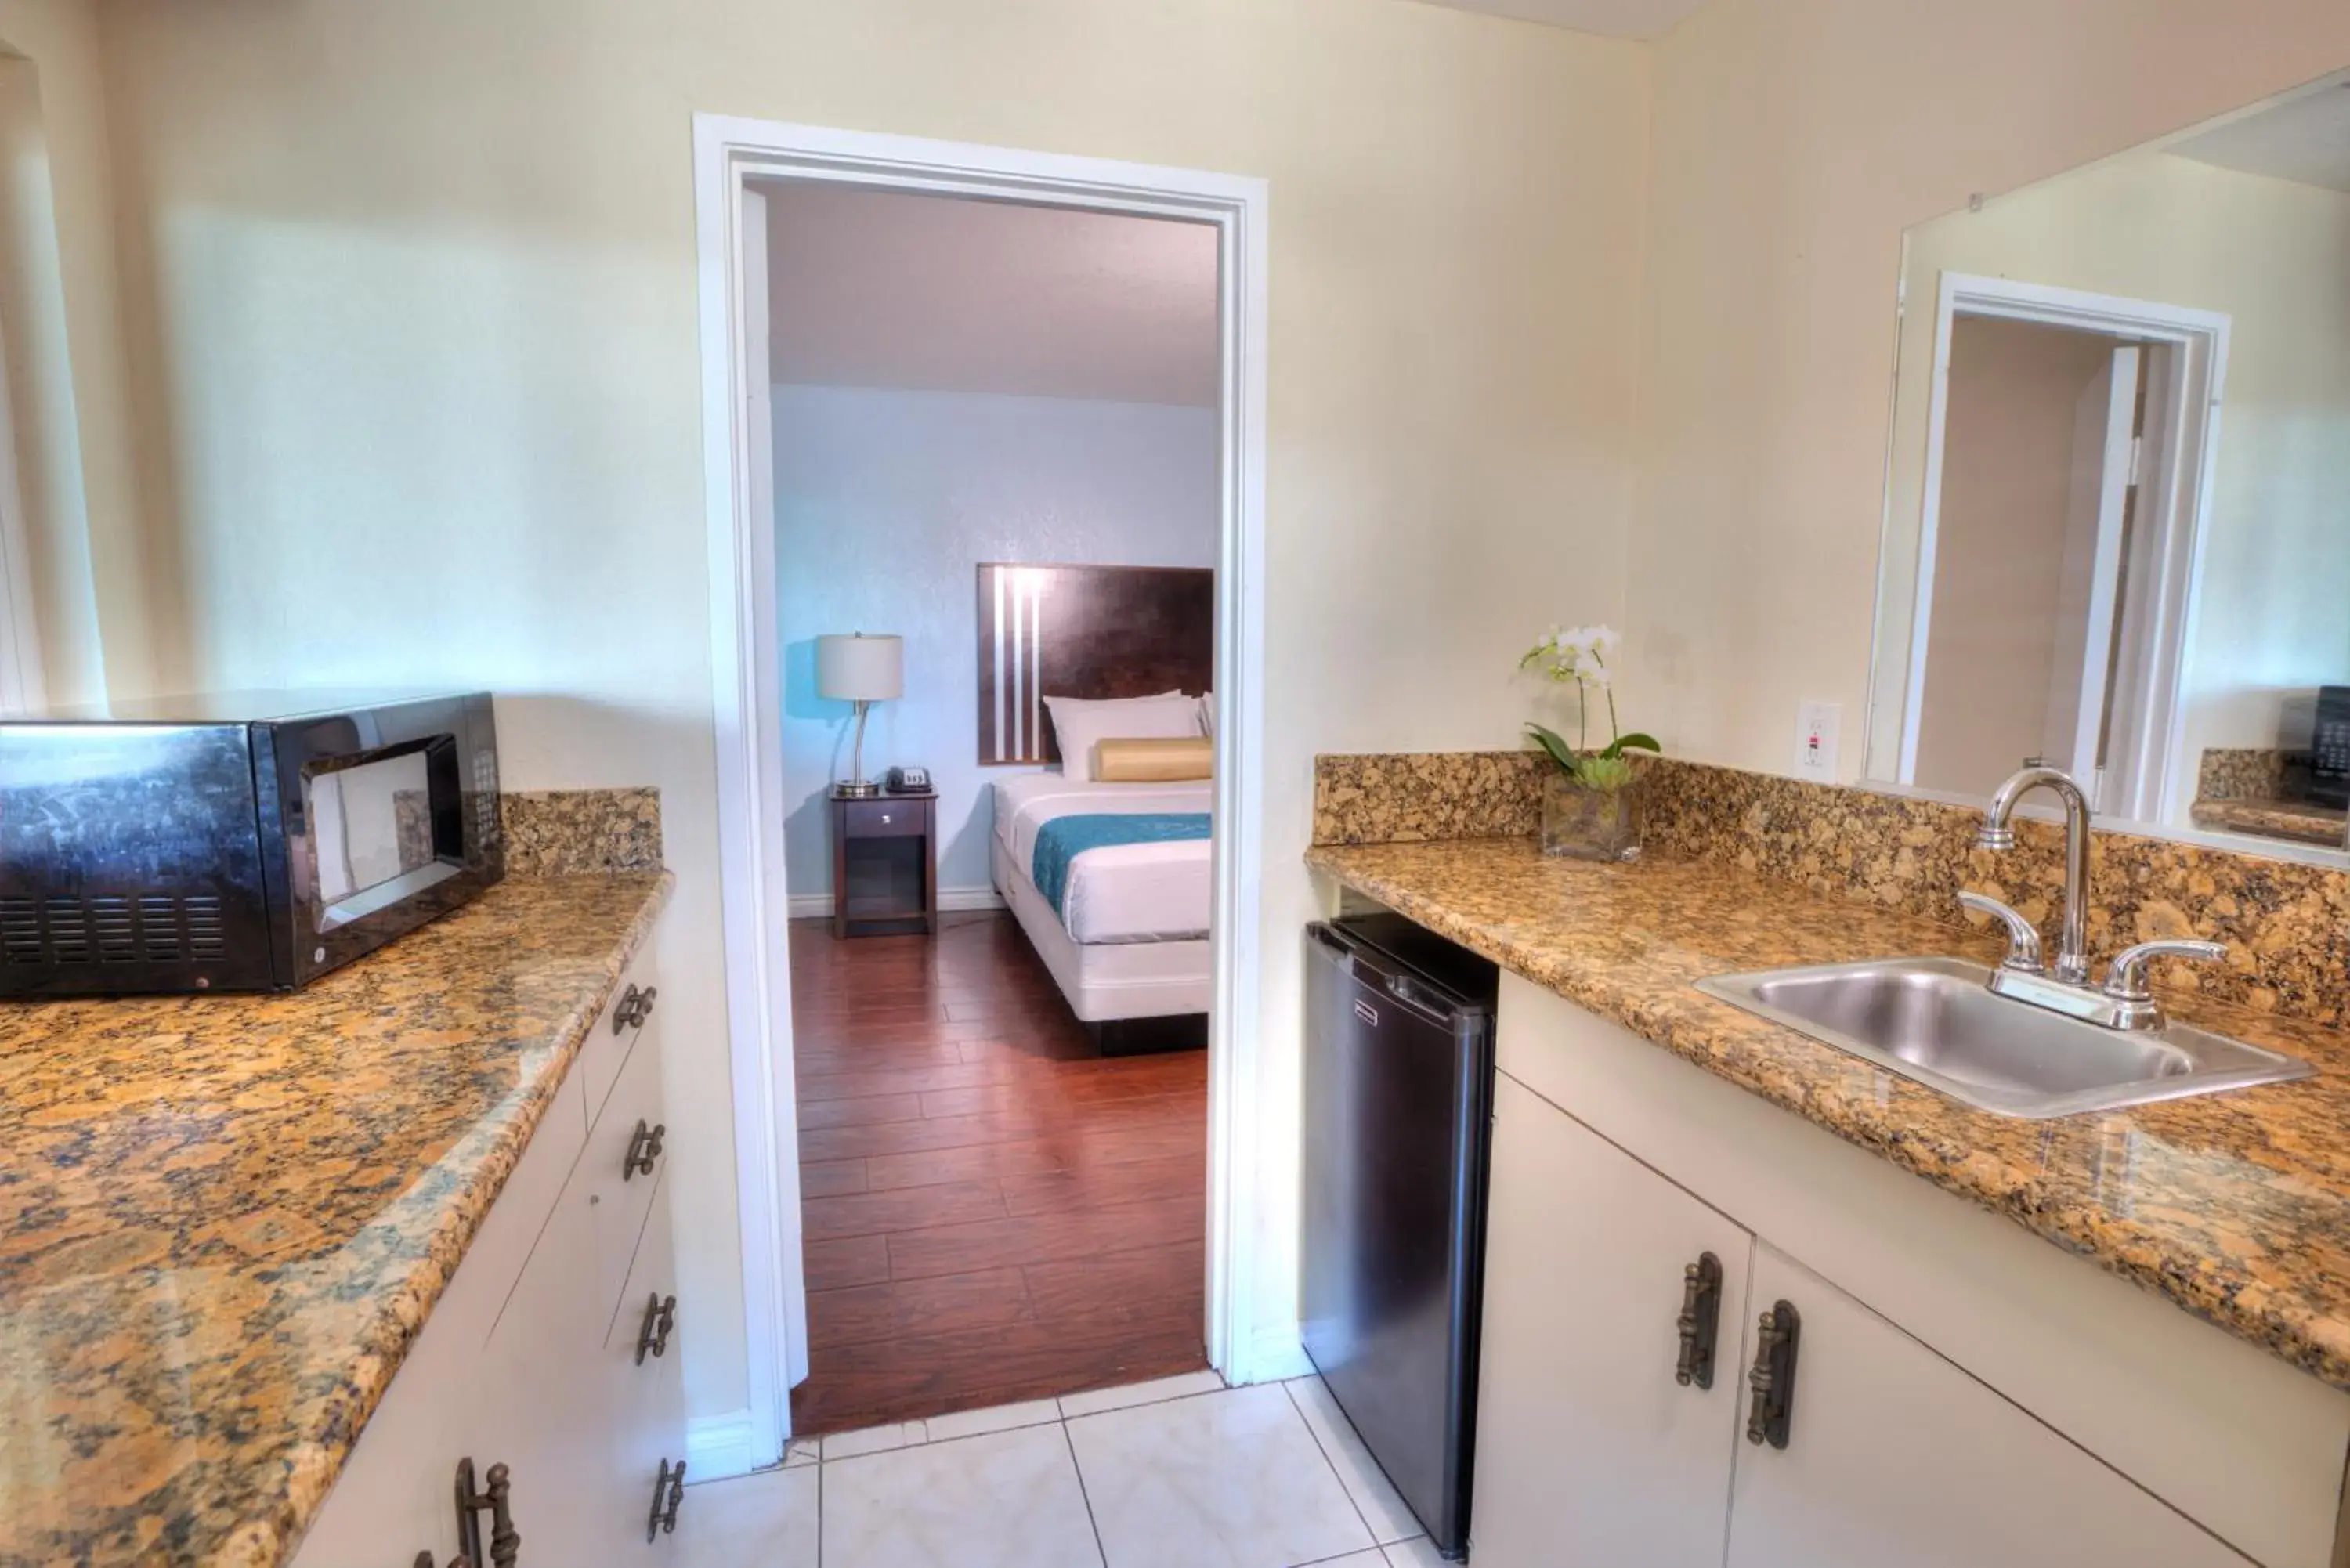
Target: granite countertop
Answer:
pixel 222 1218
pixel 2236 1207
pixel 2302 821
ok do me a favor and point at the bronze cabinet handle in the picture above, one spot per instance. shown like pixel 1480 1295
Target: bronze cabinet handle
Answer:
pixel 633 1008
pixel 1772 1379
pixel 669 1490
pixel 644 1148
pixel 1700 1323
pixel 660 1317
pixel 497 1497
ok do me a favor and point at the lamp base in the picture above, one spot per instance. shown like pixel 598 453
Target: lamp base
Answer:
pixel 859 789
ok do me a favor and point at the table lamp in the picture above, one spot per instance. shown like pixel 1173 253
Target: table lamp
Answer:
pixel 864 670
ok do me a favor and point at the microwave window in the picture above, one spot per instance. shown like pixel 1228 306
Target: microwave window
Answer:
pixel 372 834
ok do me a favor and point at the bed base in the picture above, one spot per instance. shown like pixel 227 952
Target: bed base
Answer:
pixel 1150 1036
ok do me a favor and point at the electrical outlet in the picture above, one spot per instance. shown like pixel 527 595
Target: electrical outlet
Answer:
pixel 1817 724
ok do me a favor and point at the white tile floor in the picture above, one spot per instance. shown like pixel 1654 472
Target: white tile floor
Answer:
pixel 1180 1474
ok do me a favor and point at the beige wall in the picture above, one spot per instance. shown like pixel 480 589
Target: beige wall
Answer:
pixel 1793 140
pixel 417 316
pixel 67 371
pixel 2009 484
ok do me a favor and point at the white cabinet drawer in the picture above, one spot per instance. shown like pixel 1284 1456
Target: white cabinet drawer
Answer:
pixel 615 1033
pixel 647 1391
pixel 612 1180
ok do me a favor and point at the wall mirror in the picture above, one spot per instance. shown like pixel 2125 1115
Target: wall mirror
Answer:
pixel 2117 512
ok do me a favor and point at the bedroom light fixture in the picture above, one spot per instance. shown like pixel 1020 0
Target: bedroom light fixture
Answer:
pixel 864 670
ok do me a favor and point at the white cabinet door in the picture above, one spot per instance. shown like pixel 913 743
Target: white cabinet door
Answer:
pixel 1589 1450
pixel 1895 1455
pixel 540 1409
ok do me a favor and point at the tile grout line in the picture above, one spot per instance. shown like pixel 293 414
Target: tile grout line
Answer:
pixel 1345 1490
pixel 1069 1441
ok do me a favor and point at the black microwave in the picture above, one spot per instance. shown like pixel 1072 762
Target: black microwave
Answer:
pixel 250 841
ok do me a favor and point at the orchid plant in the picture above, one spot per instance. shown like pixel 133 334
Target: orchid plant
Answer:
pixel 1585 655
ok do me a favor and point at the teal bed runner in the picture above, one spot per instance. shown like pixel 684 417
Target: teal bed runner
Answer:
pixel 1060 841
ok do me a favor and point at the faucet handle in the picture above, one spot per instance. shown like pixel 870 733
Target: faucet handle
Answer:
pixel 2022 936
pixel 2126 976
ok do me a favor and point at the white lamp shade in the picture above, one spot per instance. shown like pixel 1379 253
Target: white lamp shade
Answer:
pixel 861 668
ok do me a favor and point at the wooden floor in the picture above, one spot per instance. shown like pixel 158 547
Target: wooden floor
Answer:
pixel 992 1212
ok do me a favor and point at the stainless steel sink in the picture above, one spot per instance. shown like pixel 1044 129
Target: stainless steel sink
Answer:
pixel 1932 1020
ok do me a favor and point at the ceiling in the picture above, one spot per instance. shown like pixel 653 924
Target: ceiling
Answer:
pixel 871 288
pixel 2304 138
pixel 1616 18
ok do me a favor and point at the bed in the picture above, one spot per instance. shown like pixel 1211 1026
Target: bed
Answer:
pixel 1126 937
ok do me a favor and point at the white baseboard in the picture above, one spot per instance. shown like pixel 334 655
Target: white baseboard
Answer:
pixel 818 905
pixel 719 1447
pixel 1273 1355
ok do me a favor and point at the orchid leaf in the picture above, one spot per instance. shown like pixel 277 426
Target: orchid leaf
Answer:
pixel 1555 745
pixel 1635 741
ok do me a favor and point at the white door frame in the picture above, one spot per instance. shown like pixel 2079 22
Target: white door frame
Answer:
pixel 2183 460
pixel 747 705
pixel 22 685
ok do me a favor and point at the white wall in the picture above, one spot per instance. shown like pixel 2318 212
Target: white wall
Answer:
pixel 1793 140
pixel 2274 258
pixel 416 300
pixel 67 371
pixel 885 503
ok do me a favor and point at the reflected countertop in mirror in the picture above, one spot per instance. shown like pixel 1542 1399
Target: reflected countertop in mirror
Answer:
pixel 2118 514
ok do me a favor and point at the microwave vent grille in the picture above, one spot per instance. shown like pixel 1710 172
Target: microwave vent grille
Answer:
pixel 118 938
pixel 20 932
pixel 207 940
pixel 153 928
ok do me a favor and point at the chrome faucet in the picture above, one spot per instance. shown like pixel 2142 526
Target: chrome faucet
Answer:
pixel 2125 1001
pixel 2072 948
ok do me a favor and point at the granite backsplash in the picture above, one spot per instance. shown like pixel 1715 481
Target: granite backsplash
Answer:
pixel 556 832
pixel 2287 926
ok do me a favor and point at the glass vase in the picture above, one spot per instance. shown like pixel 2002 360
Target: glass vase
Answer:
pixel 1590 824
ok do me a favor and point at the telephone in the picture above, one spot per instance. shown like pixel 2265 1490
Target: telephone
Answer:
pixel 908 780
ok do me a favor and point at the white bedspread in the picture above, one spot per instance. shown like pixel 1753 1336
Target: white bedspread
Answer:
pixel 1120 892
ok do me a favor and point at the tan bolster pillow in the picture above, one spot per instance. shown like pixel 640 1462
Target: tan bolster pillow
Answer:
pixel 1154 762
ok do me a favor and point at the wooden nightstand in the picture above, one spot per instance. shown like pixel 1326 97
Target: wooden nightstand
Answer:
pixel 885 866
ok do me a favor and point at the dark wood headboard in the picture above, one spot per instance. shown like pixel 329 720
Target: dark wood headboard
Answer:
pixel 1084 631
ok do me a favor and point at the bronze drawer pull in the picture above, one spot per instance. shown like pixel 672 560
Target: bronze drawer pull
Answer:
pixel 660 1317
pixel 644 1148
pixel 669 1490
pixel 633 1008
pixel 506 1542
pixel 1772 1379
pixel 1700 1323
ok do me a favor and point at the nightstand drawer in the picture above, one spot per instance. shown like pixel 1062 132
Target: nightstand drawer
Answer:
pixel 887 818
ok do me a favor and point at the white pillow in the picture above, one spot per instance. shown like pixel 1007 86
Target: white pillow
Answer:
pixel 1078 722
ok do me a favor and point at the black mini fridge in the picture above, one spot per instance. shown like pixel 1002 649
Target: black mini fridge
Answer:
pixel 1398 1096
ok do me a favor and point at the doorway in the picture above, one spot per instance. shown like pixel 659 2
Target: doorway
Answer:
pixel 2067 472
pixel 730 156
